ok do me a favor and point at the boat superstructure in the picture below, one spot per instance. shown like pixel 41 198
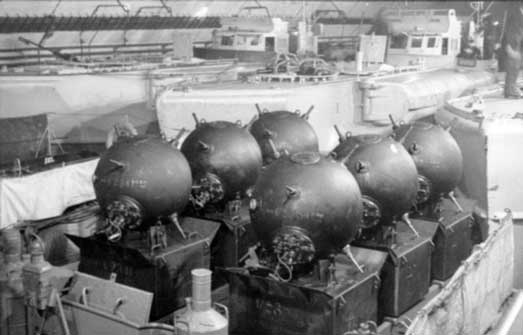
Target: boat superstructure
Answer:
pixel 431 38
pixel 360 104
pixel 248 38
pixel 422 48
pixel 73 94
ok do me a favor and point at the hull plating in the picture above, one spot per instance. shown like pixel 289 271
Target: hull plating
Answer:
pixel 340 102
pixel 82 108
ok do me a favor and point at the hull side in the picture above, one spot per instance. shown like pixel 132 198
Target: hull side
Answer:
pixel 82 108
pixel 333 105
pixel 241 55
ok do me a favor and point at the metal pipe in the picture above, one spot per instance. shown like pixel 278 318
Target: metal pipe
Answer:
pixel 119 5
pixel 63 319
pixel 163 5
pixel 507 322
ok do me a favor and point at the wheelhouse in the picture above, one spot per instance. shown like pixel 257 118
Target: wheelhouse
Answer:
pixel 429 37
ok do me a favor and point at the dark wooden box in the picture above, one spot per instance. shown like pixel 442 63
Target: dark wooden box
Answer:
pixel 405 278
pixel 165 272
pixel 306 305
pixel 453 239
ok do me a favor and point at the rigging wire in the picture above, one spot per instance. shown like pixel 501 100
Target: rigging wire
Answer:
pixel 53 12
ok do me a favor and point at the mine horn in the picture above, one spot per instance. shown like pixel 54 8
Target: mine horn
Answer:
pixel 308 113
pixel 341 137
pixel 196 119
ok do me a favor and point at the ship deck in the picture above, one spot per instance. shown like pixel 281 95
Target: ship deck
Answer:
pixel 488 105
pixel 243 85
pixel 65 68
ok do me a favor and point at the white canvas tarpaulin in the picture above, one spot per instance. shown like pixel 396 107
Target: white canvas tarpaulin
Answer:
pixel 45 194
pixel 470 303
pixel 490 147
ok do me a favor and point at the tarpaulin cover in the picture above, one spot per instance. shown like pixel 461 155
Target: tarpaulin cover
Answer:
pixel 470 302
pixel 490 143
pixel 20 136
pixel 45 194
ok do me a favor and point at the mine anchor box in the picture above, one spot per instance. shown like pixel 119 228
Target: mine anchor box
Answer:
pixel 453 240
pixel 406 274
pixel 307 305
pixel 233 238
pixel 166 272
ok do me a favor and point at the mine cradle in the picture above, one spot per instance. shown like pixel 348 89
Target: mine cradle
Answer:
pixel 405 277
pixel 164 271
pixel 334 298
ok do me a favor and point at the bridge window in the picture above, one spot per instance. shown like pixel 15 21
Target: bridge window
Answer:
pixel 416 42
pixel 227 40
pixel 398 41
pixel 251 40
pixel 431 42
